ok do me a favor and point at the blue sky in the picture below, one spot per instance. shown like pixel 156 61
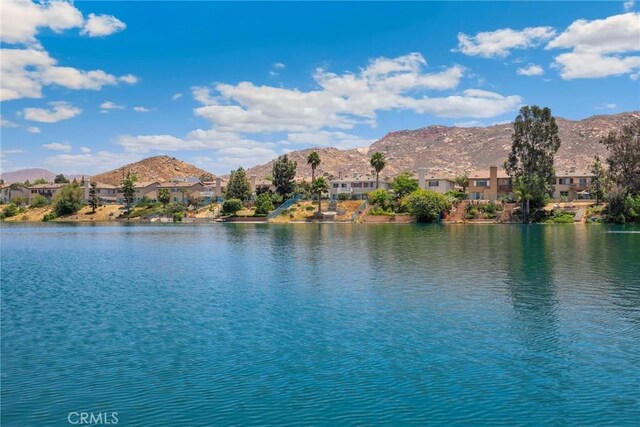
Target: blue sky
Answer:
pixel 90 86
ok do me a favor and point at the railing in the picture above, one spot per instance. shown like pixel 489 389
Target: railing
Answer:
pixel 282 207
pixel 359 211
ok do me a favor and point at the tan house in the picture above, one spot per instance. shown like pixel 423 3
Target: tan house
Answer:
pixel 491 184
pixel 357 186
pixel 47 190
pixel 213 191
pixel 9 192
pixel 572 185
pixel 180 191
pixel 434 182
pixel 106 193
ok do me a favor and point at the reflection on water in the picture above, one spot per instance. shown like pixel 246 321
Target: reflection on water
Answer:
pixel 321 324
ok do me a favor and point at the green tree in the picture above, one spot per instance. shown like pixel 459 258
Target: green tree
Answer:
pixel 36 182
pixel 94 200
pixel 60 179
pixel 535 142
pixel 319 187
pixel 238 186
pixel 264 204
pixel 313 159
pixel 380 198
pixel 283 173
pixel 462 181
pixel 624 158
pixel 403 184
pixel 39 201
pixel 164 196
pixel 231 206
pixel 129 191
pixel 68 200
pixel 598 187
pixel 378 162
pixel 426 205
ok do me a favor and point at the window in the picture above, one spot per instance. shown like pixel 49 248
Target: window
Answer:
pixel 564 181
pixel 583 182
pixel 356 184
pixel 476 196
pixel 335 185
pixel 564 194
pixel 482 183
pixel 434 184
pixel 343 185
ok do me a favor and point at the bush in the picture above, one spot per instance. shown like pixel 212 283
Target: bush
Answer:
pixel 380 212
pixel 355 197
pixel 560 218
pixel 146 202
pixel 264 204
pixel 344 196
pixel 68 200
pixel 178 216
pixel 40 201
pixel 426 205
pixel 232 206
pixel 310 208
pixel 10 210
pixel 174 207
pixel 380 198
pixel 456 194
pixel 49 217
pixel 20 200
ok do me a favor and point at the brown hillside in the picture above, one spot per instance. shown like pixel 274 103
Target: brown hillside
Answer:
pixel 158 168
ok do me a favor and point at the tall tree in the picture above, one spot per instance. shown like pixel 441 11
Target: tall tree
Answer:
pixel 68 200
pixel 94 201
pixel 313 159
pixel 319 187
pixel 378 162
pixel 129 191
pixel 283 173
pixel 462 181
pixel 403 184
pixel 535 142
pixel 624 158
pixel 60 179
pixel 238 186
pixel 164 196
pixel 598 187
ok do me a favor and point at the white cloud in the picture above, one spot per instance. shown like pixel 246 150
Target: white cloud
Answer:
pixel 279 65
pixel 176 96
pixel 129 79
pixel 33 129
pixel 108 105
pixel 469 124
pixel 88 162
pixel 141 109
pixel 8 123
pixel 499 43
pixel 628 5
pixel 57 146
pixel 102 25
pixel 599 48
pixel 530 70
pixel 26 71
pixel 60 110
pixel 85 150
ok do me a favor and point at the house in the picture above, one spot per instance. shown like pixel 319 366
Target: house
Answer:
pixel 492 184
pixel 357 186
pixel 180 191
pixel 106 193
pixel 213 191
pixel 9 192
pixel 437 183
pixel 46 190
pixel 572 185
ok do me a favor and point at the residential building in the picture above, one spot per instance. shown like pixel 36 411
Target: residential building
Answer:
pixel 357 186
pixel 572 185
pixel 180 191
pixel 438 183
pixel 213 191
pixel 492 184
pixel 106 193
pixel 47 190
pixel 9 192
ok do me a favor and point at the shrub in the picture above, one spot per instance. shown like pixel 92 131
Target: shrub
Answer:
pixel 560 218
pixel 310 208
pixel 344 196
pixel 20 200
pixel 174 207
pixel 426 205
pixel 379 198
pixel 40 201
pixel 456 194
pixel 380 212
pixel 146 202
pixel 68 200
pixel 49 217
pixel 10 210
pixel 232 206
pixel 178 216
pixel 355 197
pixel 264 204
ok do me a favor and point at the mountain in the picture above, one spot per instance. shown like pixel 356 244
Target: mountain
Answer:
pixel 449 151
pixel 158 168
pixel 23 175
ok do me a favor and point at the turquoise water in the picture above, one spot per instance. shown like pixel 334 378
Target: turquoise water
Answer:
pixel 253 324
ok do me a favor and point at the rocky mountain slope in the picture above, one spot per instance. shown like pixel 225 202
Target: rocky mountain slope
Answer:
pixel 452 150
pixel 23 175
pixel 158 168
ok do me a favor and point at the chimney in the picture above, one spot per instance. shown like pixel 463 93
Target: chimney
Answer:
pixel 218 186
pixel 493 183
pixel 253 183
pixel 87 185
pixel 421 177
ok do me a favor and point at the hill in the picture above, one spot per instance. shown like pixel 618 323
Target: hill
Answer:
pixel 452 150
pixel 23 175
pixel 158 168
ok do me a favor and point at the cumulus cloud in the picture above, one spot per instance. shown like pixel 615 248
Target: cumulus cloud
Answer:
pixel 22 19
pixel 176 96
pixel 530 70
pixel 501 42
pixel 108 105
pixel 102 25
pixel 57 146
pixel 89 162
pixel 599 48
pixel 141 109
pixel 60 110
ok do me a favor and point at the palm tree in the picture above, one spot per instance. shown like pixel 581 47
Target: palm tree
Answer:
pixel 462 181
pixel 378 162
pixel 319 186
pixel 523 194
pixel 313 159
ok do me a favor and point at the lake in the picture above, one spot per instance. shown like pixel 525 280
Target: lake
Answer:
pixel 331 324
